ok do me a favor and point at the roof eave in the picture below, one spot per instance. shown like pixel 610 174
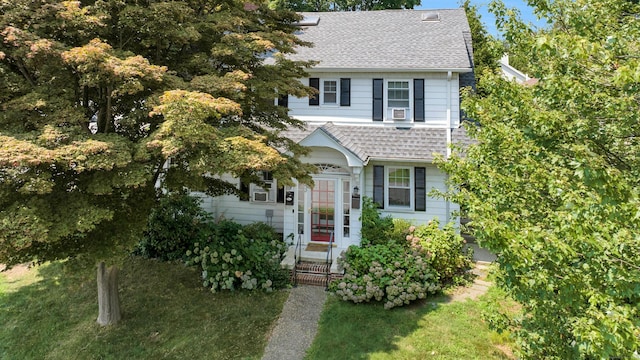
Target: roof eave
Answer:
pixel 394 70
pixel 405 160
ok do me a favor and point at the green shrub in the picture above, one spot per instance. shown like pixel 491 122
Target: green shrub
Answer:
pixel 173 227
pixel 389 273
pixel 400 230
pixel 445 249
pixel 375 229
pixel 235 257
pixel 399 263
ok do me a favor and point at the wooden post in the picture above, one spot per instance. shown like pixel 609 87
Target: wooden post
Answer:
pixel 108 298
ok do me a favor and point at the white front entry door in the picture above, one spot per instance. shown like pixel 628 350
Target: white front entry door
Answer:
pixel 323 212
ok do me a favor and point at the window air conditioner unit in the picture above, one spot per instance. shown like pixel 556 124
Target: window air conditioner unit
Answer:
pixel 399 114
pixel 260 196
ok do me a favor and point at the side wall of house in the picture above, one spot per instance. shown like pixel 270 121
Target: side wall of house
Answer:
pixel 441 99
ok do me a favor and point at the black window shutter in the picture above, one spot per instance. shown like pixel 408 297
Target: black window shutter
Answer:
pixel 345 92
pixel 244 191
pixel 378 97
pixel 314 100
pixel 280 196
pixel 418 100
pixel 378 186
pixel 421 189
pixel 283 100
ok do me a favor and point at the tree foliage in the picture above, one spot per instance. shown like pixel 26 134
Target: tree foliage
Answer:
pixel 552 183
pixel 342 5
pixel 486 49
pixel 97 95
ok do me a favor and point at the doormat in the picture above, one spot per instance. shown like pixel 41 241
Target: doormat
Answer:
pixel 317 247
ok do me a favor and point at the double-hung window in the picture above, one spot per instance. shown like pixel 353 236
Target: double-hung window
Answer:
pixel 330 92
pixel 398 94
pixel 399 185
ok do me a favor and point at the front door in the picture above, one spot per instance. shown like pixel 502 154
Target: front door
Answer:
pixel 323 210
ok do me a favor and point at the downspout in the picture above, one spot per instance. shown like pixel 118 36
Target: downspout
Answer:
pixel 448 129
pixel 449 75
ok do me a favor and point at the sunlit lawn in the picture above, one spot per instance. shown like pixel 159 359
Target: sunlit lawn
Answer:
pixel 433 329
pixel 49 314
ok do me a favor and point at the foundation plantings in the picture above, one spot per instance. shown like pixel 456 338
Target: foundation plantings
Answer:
pixel 404 263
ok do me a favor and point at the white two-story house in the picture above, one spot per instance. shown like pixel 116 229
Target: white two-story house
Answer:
pixel 388 99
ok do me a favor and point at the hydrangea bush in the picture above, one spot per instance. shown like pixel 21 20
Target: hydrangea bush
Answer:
pixel 404 263
pixel 235 257
pixel 385 272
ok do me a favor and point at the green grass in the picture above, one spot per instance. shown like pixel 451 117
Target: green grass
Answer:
pixel 50 313
pixel 431 329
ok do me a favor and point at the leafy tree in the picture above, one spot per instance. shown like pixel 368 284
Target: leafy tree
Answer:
pixel 486 49
pixel 552 183
pixel 100 99
pixel 342 5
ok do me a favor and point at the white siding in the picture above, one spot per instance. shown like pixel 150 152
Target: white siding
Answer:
pixel 441 95
pixel 243 212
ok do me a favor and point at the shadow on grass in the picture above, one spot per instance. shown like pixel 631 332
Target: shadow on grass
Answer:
pixel 431 328
pixel 166 315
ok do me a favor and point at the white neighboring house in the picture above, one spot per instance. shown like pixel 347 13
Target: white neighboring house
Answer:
pixel 512 74
pixel 389 84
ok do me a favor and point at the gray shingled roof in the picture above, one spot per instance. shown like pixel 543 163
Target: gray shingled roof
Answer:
pixel 387 39
pixel 459 137
pixel 378 142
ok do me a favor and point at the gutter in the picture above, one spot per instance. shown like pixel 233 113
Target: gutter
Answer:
pixel 387 70
pixel 421 161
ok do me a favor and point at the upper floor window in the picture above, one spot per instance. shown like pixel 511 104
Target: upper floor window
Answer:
pixel 398 94
pixel 330 91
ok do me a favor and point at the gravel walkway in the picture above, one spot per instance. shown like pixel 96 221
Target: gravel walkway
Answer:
pixel 297 325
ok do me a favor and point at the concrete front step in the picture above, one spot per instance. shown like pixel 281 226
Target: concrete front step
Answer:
pixel 310 256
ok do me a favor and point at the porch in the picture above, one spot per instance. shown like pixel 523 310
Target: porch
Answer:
pixel 314 255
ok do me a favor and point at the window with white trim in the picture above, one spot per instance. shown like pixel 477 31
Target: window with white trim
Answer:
pixel 267 192
pixel 399 185
pixel 329 92
pixel 398 94
pixel 264 192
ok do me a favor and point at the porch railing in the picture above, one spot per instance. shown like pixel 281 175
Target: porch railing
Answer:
pixel 297 255
pixel 329 259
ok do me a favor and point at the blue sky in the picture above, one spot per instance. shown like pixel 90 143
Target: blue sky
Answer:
pixel 488 19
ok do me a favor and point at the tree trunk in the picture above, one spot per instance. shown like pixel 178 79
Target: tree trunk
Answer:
pixel 108 299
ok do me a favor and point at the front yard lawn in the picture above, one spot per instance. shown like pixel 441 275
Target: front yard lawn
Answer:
pixel 430 329
pixel 47 313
